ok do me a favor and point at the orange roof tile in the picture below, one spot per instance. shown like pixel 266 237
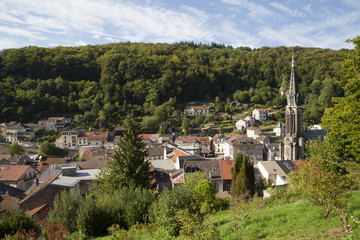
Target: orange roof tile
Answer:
pixel 144 136
pixel 50 161
pixel 226 166
pixel 5 156
pixel 178 152
pixel 97 134
pixel 12 172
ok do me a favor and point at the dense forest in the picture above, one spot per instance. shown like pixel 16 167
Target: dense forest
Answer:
pixel 102 83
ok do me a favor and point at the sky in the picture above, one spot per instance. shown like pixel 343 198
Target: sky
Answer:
pixel 251 23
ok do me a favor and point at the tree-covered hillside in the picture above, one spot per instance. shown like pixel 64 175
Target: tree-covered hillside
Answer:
pixel 105 82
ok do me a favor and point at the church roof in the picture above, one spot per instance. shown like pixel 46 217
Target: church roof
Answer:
pixel 293 94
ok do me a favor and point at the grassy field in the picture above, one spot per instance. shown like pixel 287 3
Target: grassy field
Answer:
pixel 293 219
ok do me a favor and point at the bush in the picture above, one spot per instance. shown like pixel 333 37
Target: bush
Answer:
pixel 65 209
pixel 90 219
pixel 126 206
pixel 15 222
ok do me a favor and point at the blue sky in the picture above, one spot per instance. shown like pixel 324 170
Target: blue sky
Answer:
pixel 252 23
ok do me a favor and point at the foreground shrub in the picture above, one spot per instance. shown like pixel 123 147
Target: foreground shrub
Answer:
pixel 17 221
pixel 126 206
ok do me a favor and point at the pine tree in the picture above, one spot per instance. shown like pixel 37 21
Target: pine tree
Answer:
pixel 243 178
pixel 129 167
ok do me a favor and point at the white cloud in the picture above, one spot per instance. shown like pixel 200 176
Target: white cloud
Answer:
pixel 256 11
pixel 287 10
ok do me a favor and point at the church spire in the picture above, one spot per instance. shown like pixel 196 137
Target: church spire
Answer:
pixel 293 95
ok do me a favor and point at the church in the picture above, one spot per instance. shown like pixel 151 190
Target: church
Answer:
pixel 293 146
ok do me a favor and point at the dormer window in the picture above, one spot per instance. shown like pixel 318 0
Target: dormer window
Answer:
pixel 214 169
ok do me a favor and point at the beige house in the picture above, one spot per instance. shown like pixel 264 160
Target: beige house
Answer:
pixel 18 176
pixel 248 146
pixel 19 132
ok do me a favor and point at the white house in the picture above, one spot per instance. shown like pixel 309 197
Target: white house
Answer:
pixel 259 115
pixel 279 130
pixel 251 120
pixel 196 110
pixel 253 132
pixel 277 171
pixel 242 123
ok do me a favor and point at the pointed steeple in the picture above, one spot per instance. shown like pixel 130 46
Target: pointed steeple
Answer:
pixel 293 95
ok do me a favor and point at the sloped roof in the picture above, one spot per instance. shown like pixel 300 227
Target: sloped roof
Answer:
pixel 207 166
pixel 40 187
pixel 81 175
pixel 226 166
pixel 5 156
pixel 12 172
pixel 96 134
pixel 165 164
pixel 155 151
pixel 177 152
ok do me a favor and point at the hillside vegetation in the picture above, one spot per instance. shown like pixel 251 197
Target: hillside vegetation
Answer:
pixel 102 83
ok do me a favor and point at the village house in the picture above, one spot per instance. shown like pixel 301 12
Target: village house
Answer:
pixel 218 144
pixel 242 123
pixel 196 110
pixel 259 115
pixel 277 172
pixel 10 197
pixel 54 123
pixel 19 132
pixel 248 146
pixel 58 178
pixel 155 153
pixel 273 152
pixel 253 132
pixel 18 176
pixel 279 130
pixel 210 167
pixel 226 174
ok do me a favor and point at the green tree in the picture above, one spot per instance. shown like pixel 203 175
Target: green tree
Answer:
pixel 129 165
pixel 243 177
pixel 16 148
pixel 186 125
pixel 48 149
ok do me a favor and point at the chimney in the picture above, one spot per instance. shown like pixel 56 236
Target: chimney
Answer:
pixel 69 171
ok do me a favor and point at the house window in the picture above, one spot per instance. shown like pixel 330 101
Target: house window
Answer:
pixel 214 169
pixel 228 187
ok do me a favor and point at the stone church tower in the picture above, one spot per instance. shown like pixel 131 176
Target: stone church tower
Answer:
pixel 293 146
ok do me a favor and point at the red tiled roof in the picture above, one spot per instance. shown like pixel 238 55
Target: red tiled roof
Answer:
pixel 97 134
pixel 50 161
pixel 204 140
pixel 252 128
pixel 186 139
pixel 5 156
pixel 298 163
pixel 144 136
pixel 199 108
pixel 226 168
pixel 12 172
pixel 178 152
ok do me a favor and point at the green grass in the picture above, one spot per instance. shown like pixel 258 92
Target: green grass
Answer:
pixel 298 219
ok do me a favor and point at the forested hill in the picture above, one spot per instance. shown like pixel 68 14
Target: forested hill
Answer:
pixel 112 79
